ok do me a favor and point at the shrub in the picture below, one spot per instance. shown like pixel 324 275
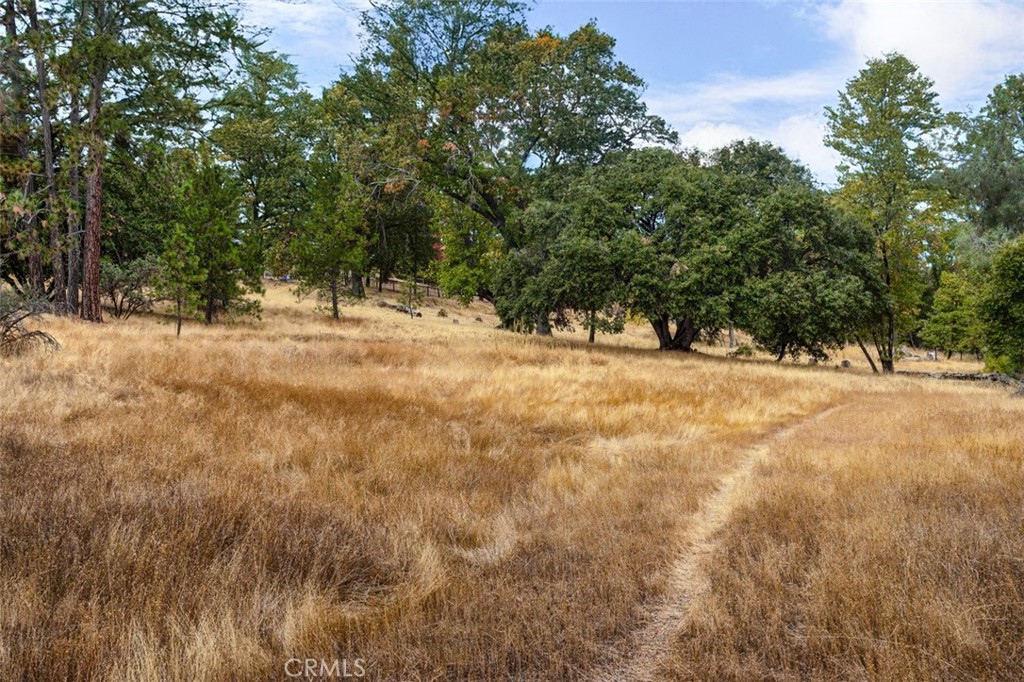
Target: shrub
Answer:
pixel 1002 310
pixel 127 286
pixel 15 338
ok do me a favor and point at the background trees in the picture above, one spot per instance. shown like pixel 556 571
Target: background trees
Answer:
pixel 886 126
pixel 153 147
pixel 1002 309
pixel 811 280
pixel 986 179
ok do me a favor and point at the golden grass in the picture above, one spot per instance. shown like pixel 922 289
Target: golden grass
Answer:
pixel 447 501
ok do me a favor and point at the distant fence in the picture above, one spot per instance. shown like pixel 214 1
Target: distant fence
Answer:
pixel 430 289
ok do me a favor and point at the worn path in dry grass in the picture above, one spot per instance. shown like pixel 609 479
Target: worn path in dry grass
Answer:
pixel 651 643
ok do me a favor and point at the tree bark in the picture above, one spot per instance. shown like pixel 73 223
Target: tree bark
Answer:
pixel 593 327
pixel 871 360
pixel 334 297
pixel 660 325
pixel 357 284
pixel 683 338
pixel 91 309
pixel 543 325
pixel 74 222
pixel 887 346
pixel 685 335
pixel 732 335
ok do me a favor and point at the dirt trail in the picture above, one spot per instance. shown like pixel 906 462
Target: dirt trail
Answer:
pixel 651 642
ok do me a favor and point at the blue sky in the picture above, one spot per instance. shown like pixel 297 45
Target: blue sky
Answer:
pixel 719 71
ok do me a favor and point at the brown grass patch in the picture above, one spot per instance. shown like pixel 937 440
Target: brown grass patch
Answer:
pixel 452 502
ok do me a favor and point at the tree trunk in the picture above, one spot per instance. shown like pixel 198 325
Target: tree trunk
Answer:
pixel 36 278
pixel 593 326
pixel 660 325
pixel 357 284
pixel 211 309
pixel 683 337
pixel 888 362
pixel 59 293
pixel 543 325
pixel 74 223
pixel 732 335
pixel 871 360
pixel 178 311
pixel 91 309
pixel 334 297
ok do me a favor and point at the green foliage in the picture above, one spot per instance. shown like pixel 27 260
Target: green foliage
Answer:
pixel 141 199
pixel 264 139
pixel 806 289
pixel 129 286
pixel 887 126
pixel 180 275
pixel 760 168
pixel 522 302
pixel 744 350
pixel 469 250
pixel 401 237
pixel 211 203
pixel 684 255
pixel 1002 309
pixel 330 242
pixel 582 275
pixel 464 97
pixel 990 177
pixel 954 324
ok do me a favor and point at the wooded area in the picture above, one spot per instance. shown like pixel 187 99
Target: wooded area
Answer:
pixel 156 151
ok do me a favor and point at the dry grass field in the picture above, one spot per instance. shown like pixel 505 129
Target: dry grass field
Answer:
pixel 449 502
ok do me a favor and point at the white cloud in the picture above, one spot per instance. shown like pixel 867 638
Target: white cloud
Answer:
pixel 322 35
pixel 706 135
pixel 726 95
pixel 801 136
pixel 965 47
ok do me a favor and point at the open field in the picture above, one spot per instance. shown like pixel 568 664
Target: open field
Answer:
pixel 447 501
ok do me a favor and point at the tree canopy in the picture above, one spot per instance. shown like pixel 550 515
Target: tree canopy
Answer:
pixel 155 149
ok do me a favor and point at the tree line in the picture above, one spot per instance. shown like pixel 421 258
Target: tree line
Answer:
pixel 154 149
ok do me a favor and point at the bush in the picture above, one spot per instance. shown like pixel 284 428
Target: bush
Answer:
pixel 127 286
pixel 1002 310
pixel 15 338
pixel 742 351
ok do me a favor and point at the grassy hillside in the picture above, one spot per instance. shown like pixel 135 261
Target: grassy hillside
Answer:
pixel 447 501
